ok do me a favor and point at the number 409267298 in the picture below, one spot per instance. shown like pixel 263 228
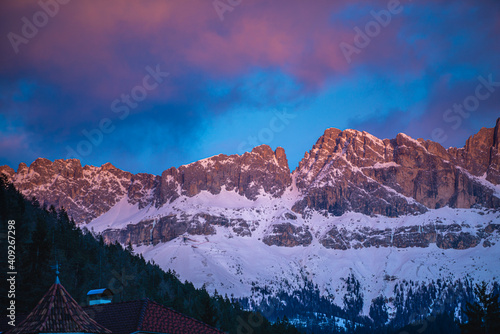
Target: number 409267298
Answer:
pixel 11 239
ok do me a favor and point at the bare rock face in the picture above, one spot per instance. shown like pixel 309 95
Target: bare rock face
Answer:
pixel 164 229
pixel 149 232
pixel 288 235
pixel 87 192
pixel 247 174
pixel 480 155
pixel 355 171
pixel 444 236
pixel 8 172
pixel 242 228
pixel 337 176
pixel 344 171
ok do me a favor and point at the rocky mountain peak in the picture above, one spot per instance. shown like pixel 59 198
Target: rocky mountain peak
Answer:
pixel 7 171
pixel 480 155
pixel 261 170
pixel 354 147
pixel 85 192
pixel 347 170
pixel 108 166
pixel 352 170
pixel 22 167
pixel 328 136
pixel 264 151
pixel 281 157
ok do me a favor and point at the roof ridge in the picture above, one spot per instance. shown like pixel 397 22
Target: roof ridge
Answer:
pixel 144 308
pixel 51 305
pixel 184 315
pixel 57 303
pixel 46 315
pixel 73 316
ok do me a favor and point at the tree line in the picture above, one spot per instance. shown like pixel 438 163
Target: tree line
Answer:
pixel 45 236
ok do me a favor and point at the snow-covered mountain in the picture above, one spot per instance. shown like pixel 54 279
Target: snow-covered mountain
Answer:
pixel 237 244
pixel 382 210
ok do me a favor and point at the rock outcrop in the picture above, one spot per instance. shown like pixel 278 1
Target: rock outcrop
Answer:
pixel 247 174
pixel 481 156
pixel 354 171
pixel 344 171
pixel 288 235
pixel 87 192
pixel 444 236
pixel 166 228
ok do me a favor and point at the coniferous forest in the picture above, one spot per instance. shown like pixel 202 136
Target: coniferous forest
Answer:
pixel 46 236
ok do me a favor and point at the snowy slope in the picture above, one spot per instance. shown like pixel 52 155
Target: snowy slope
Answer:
pixel 231 264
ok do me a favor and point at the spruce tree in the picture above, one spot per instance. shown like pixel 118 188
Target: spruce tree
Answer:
pixel 483 315
pixel 353 300
pixel 378 312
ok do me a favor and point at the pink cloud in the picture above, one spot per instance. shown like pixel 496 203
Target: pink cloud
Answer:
pixel 114 42
pixel 87 40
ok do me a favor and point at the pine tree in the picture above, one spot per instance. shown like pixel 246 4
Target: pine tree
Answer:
pixel 483 315
pixel 44 236
pixel 378 311
pixel 205 310
pixel 130 248
pixel 353 300
pixel 40 247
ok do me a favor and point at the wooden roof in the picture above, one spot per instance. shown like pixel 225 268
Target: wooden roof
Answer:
pixel 146 316
pixel 58 312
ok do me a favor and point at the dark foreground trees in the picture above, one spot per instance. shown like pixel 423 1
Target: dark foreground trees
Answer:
pixel 45 236
pixel 483 315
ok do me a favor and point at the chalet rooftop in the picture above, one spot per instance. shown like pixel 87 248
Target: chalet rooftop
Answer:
pixel 58 312
pixel 146 316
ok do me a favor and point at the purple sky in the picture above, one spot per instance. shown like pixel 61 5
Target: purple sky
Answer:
pixel 153 84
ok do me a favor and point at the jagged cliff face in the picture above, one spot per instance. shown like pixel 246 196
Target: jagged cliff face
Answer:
pixel 85 192
pixel 454 236
pixel 248 174
pixel 88 192
pixel 169 227
pixel 379 208
pixel 481 155
pixel 355 171
pixel 345 171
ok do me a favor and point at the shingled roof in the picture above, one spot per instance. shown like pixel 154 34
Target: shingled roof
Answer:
pixel 146 316
pixel 58 312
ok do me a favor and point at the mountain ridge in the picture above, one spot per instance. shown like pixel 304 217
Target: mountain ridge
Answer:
pixel 347 170
pixel 381 210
